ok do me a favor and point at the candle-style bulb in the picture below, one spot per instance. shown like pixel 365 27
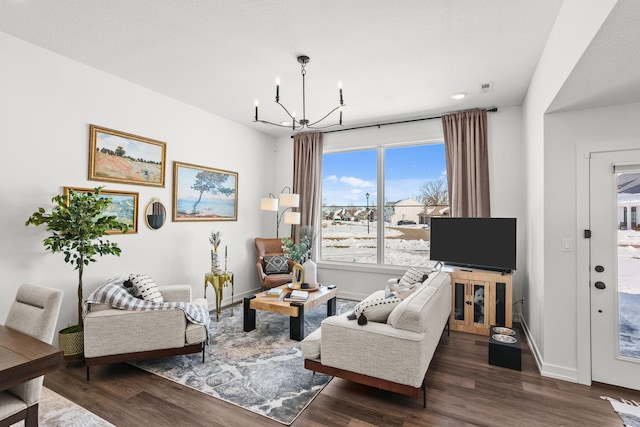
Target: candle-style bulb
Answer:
pixel 340 88
pixel 341 115
pixel 277 90
pixel 256 110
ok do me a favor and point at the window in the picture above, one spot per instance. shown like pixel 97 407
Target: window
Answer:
pixel 377 204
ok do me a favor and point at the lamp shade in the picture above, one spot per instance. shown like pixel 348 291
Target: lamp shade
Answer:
pixel 290 200
pixel 269 204
pixel 292 218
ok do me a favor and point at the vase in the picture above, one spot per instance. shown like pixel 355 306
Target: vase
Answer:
pixel 310 273
pixel 297 276
pixel 215 262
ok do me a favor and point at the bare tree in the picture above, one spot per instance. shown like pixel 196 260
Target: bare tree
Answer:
pixel 213 183
pixel 434 193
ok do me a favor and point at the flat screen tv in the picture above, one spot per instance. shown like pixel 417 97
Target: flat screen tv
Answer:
pixel 484 243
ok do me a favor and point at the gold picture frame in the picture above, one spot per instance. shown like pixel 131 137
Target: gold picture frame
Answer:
pixel 125 158
pixel 201 193
pixel 124 205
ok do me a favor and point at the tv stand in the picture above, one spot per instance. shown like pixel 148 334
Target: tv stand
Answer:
pixel 480 298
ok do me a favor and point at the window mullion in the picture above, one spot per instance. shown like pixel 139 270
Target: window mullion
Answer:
pixel 380 209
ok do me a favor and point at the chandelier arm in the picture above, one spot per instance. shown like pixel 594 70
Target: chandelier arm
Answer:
pixel 271 123
pixel 288 113
pixel 327 115
pixel 323 127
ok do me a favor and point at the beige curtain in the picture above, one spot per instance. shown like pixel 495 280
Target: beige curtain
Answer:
pixel 307 176
pixel 465 140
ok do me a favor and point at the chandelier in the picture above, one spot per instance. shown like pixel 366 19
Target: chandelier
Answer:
pixel 303 123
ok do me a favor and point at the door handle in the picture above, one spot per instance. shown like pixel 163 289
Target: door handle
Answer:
pixel 600 285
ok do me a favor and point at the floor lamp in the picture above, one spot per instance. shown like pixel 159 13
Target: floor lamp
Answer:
pixel 287 201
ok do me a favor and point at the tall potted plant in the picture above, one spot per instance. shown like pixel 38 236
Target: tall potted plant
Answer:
pixel 78 222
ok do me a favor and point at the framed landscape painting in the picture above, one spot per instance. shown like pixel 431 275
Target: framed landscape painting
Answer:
pixel 124 206
pixel 116 156
pixel 204 194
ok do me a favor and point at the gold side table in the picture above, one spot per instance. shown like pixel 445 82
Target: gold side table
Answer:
pixel 218 280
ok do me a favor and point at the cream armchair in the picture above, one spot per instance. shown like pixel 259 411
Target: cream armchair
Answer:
pixel 113 336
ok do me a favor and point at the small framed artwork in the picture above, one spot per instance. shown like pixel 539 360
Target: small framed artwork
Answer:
pixel 124 206
pixel 116 156
pixel 204 194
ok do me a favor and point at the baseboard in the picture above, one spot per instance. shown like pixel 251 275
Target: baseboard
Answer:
pixel 547 369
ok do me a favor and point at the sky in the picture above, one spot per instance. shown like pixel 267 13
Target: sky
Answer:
pixel 348 176
pixel 134 149
pixel 186 178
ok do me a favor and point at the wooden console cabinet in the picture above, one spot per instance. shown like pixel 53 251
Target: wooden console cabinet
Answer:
pixel 480 299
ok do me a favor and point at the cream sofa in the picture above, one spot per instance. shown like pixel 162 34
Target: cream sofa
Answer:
pixel 394 355
pixel 113 336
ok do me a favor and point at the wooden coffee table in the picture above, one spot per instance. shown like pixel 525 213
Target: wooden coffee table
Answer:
pixel 295 310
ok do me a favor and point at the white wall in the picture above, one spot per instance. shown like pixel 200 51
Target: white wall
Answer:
pixel 46 105
pixel 506 155
pixel 568 138
pixel 553 346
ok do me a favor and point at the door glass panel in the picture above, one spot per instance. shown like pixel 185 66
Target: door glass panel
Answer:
pixel 628 265
pixel 478 303
pixel 501 298
pixel 459 302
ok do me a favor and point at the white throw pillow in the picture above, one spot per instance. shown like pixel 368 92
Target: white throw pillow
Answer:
pixel 145 288
pixel 413 275
pixel 375 308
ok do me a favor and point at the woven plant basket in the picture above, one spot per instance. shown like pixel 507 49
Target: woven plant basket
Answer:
pixel 71 343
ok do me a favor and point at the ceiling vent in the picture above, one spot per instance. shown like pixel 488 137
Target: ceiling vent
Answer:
pixel 486 87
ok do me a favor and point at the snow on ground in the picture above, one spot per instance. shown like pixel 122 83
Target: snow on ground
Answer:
pixel 629 335
pixel 629 261
pixel 350 242
pixel 629 292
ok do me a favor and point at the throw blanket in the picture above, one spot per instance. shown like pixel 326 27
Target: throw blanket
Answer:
pixel 117 297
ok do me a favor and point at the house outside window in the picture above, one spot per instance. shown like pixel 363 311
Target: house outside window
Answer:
pixel 378 203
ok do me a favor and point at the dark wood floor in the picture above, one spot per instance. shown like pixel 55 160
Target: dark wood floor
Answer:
pixel 462 390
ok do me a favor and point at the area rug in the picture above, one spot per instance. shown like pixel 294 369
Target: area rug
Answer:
pixel 628 410
pixel 57 411
pixel 261 371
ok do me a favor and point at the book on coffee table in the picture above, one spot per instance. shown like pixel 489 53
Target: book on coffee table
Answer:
pixel 296 295
pixel 274 293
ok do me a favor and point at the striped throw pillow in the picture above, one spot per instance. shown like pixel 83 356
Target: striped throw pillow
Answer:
pixel 413 275
pixel 145 288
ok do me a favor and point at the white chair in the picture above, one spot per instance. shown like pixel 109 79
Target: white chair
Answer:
pixel 34 312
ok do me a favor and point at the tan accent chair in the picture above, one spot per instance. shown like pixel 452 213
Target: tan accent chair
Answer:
pixel 35 313
pixel 271 247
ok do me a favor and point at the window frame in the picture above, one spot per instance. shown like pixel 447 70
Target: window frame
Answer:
pixel 380 194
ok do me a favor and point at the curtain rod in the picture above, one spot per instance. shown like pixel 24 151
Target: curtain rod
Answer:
pixel 378 125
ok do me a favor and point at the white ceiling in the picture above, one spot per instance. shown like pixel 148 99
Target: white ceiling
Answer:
pixel 395 59
pixel 608 73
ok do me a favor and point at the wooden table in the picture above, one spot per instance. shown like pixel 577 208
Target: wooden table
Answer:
pixel 23 358
pixel 295 310
pixel 219 280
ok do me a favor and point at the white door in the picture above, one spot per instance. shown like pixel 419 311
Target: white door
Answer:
pixel 615 267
